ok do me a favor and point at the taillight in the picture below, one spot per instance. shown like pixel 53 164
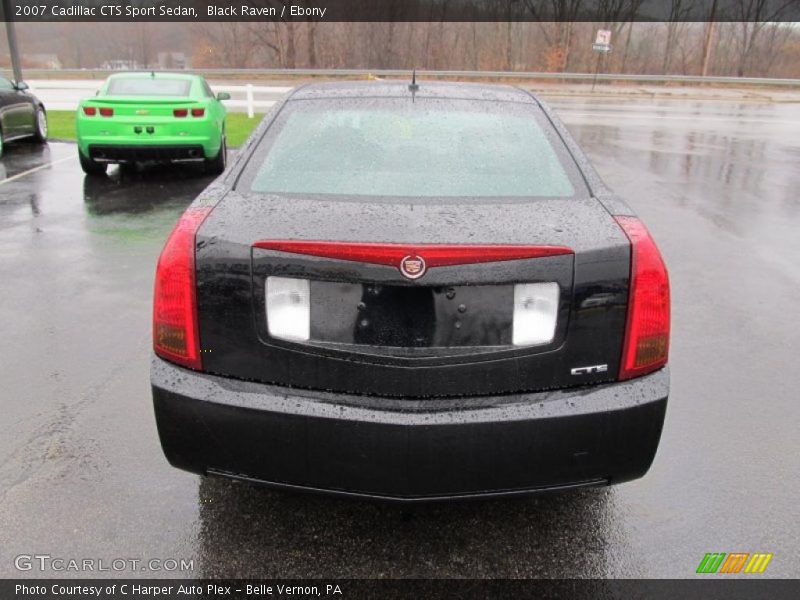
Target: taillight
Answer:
pixel 647 330
pixel 180 112
pixel 89 111
pixel 106 112
pixel 175 333
pixel 198 112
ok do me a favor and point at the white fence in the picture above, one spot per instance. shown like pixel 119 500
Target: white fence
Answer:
pixel 65 94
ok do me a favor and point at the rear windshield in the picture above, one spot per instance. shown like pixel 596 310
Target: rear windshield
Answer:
pixel 148 87
pixel 427 148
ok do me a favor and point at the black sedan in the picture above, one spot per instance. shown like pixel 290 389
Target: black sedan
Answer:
pixel 411 293
pixel 22 115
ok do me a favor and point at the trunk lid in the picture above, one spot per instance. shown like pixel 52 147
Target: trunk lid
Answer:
pixel 375 331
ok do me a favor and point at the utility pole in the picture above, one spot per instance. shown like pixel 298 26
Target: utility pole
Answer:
pixel 709 39
pixel 11 34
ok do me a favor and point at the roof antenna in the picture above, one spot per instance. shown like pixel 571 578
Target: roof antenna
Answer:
pixel 413 87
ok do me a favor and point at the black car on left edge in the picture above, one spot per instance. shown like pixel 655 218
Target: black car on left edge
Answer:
pixel 412 293
pixel 22 115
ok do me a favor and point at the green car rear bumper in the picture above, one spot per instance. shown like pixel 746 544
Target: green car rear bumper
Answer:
pixel 139 140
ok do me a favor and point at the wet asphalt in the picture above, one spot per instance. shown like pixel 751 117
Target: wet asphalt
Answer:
pixel 81 470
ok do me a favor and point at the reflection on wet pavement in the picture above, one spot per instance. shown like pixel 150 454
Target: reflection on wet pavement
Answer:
pixel 290 535
pixel 132 190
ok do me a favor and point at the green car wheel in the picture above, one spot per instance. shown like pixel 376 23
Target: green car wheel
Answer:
pixel 217 164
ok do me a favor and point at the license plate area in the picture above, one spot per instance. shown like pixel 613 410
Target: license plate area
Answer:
pixel 332 317
pixel 372 314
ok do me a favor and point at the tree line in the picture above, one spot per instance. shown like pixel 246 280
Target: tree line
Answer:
pixel 745 48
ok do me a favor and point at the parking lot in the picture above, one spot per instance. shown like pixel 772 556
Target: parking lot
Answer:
pixel 82 474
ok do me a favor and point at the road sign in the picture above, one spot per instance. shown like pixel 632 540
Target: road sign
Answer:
pixel 601 46
pixel 603 37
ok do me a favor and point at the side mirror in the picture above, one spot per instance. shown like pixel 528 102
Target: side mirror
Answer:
pixel 223 96
pixel 21 86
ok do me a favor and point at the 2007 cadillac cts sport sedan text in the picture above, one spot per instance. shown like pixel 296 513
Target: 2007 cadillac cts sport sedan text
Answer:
pixel 411 293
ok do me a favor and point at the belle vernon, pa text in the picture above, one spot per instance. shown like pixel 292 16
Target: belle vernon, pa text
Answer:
pixel 135 589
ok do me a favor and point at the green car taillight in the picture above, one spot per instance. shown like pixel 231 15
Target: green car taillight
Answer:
pixel 91 111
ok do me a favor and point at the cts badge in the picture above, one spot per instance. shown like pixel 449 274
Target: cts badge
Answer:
pixel 412 266
pixel 589 370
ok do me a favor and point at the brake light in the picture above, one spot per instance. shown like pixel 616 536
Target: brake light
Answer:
pixel 198 112
pixel 180 112
pixel 106 112
pixel 89 111
pixel 175 332
pixel 646 344
pixel 435 255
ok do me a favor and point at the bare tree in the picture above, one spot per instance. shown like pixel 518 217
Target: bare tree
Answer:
pixel 753 46
pixel 557 32
pixel 773 36
pixel 311 45
pixel 290 53
pixel 144 43
pixel 268 37
pixel 74 38
pixel 231 42
pixel 753 16
pixel 678 12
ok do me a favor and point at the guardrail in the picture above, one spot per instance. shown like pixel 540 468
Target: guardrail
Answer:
pixel 65 93
pixel 405 73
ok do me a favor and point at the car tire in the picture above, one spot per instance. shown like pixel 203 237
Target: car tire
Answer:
pixel 217 164
pixel 91 167
pixel 40 125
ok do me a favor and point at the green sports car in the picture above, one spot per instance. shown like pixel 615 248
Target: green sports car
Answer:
pixel 164 117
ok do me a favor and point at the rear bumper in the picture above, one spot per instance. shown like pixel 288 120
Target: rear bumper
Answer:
pixel 408 449
pixel 153 134
pixel 133 153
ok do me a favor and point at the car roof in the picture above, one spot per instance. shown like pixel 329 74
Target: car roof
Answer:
pixel 427 89
pixel 152 75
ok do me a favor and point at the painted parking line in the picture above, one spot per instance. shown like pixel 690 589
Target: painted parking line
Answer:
pixel 34 169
